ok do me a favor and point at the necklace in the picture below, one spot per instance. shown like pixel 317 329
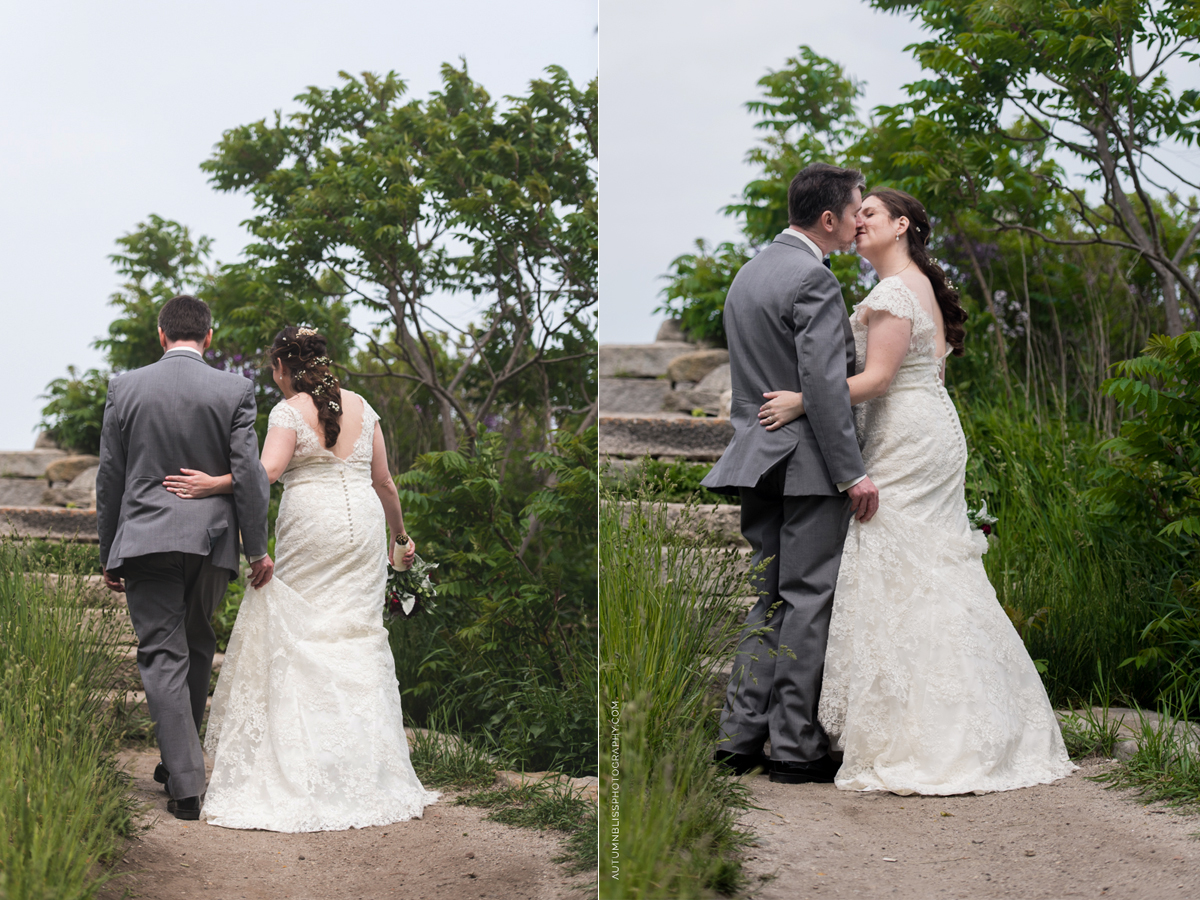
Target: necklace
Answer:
pixel 893 275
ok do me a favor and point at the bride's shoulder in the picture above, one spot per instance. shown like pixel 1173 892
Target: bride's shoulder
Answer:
pixel 283 415
pixel 891 295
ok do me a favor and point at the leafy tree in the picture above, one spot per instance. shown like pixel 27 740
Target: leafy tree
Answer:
pixel 1076 78
pixel 159 259
pixel 389 203
pixel 808 111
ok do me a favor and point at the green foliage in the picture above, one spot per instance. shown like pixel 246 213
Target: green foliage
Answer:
pixel 668 625
pixel 1011 87
pixel 1165 767
pixel 357 195
pixel 1153 481
pixel 508 652
pixel 75 410
pixel 64 811
pixel 160 260
pixel 677 482
pixel 808 110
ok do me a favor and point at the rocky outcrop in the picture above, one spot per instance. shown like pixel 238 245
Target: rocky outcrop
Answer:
pixel 640 360
pixel 695 366
pixel 28 463
pixel 68 468
pixel 664 436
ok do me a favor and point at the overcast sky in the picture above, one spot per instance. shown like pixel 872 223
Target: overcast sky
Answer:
pixel 109 108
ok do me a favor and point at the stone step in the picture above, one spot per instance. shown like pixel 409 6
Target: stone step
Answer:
pixel 665 435
pixel 632 395
pixel 31 463
pixel 93 589
pixel 23 491
pixel 49 523
pixel 640 360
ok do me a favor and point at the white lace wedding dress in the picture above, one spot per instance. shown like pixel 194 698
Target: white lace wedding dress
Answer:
pixel 305 726
pixel 928 689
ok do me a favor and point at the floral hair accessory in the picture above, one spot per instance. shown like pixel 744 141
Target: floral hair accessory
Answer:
pixel 306 331
pixel 335 407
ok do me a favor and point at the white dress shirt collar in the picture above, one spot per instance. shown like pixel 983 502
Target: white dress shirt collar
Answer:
pixel 792 232
pixel 188 349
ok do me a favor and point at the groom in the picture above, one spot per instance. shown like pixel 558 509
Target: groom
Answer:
pixel 176 556
pixel 787 330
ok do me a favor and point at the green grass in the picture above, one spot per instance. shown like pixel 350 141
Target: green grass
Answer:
pixel 667 627
pixel 675 482
pixel 64 810
pixel 1165 768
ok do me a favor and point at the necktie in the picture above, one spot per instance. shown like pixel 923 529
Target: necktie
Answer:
pixel 825 262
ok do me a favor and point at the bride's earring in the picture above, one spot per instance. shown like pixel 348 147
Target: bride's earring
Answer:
pixel 897 237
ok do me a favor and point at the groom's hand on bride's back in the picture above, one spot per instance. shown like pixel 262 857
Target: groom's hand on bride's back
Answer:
pixel 864 499
pixel 261 571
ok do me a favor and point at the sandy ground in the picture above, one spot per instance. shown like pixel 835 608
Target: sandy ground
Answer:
pixel 1072 838
pixel 450 854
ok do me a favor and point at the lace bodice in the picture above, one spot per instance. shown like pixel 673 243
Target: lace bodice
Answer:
pixel 893 295
pixel 309 449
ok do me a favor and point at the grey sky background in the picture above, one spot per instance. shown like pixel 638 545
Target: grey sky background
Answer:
pixel 109 109
pixel 674 129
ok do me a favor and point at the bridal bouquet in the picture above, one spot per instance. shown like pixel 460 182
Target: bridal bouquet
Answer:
pixel 980 520
pixel 409 591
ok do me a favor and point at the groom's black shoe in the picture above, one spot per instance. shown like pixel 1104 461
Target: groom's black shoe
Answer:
pixel 187 808
pixel 161 775
pixel 819 771
pixel 741 763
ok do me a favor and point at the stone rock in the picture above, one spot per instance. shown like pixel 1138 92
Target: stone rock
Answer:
pixel 718 380
pixel 86 480
pixel 78 498
pixel 725 406
pixel 632 395
pixel 50 523
pixel 27 463
pixel 45 442
pixel 688 401
pixel 22 491
pixel 696 365
pixel 670 330
pixel 70 467
pixel 640 360
pixel 679 437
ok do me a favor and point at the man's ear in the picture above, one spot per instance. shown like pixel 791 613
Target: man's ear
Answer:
pixel 162 339
pixel 829 221
pixel 207 340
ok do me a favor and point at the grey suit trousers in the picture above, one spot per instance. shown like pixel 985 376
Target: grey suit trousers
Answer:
pixel 171 599
pixel 776 679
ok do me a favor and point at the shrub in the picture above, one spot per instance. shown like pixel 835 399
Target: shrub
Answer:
pixel 76 410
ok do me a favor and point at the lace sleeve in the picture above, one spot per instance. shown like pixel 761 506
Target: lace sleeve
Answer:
pixel 891 295
pixel 370 417
pixel 282 416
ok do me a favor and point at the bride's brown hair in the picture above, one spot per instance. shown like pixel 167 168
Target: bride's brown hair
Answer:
pixel 900 204
pixel 302 352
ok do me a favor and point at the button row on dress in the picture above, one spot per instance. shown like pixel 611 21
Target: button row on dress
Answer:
pixel 349 514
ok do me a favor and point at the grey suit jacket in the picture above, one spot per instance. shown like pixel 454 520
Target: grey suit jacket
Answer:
pixel 179 413
pixel 788 331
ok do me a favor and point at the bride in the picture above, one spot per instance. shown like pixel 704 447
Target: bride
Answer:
pixel 305 726
pixel 928 689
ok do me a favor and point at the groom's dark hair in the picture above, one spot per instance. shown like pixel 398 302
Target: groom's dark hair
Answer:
pixel 821 187
pixel 185 318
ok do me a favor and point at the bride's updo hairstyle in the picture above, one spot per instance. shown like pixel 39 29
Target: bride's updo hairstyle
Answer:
pixel 900 204
pixel 302 353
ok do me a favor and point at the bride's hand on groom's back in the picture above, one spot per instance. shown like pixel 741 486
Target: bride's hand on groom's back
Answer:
pixel 781 407
pixel 194 484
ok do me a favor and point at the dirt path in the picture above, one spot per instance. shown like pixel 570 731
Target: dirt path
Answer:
pixel 1068 839
pixel 450 854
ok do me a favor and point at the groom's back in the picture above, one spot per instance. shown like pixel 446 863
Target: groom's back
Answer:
pixel 177 413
